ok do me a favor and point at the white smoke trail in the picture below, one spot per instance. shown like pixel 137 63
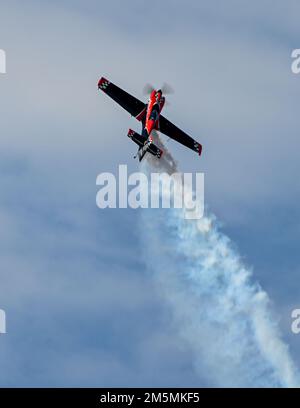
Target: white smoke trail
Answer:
pixel 220 313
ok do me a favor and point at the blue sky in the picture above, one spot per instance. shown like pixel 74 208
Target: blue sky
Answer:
pixel 82 307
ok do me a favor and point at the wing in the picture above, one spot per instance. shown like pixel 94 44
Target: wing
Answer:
pixel 166 127
pixel 133 105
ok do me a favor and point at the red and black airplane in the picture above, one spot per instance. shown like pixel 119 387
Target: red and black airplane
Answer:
pixel 150 116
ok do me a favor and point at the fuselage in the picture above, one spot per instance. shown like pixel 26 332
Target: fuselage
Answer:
pixel 155 104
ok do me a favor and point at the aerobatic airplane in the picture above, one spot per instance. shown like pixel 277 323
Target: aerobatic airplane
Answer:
pixel 149 115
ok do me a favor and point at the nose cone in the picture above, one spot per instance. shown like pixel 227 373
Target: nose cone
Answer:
pixel 159 94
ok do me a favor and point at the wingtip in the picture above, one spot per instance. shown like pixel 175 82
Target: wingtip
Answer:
pixel 130 133
pixel 102 82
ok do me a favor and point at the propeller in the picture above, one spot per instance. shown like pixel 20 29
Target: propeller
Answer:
pixel 148 88
pixel 166 89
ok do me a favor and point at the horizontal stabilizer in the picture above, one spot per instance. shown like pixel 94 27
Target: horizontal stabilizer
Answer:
pixel 138 139
pixel 155 150
pixel 144 145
